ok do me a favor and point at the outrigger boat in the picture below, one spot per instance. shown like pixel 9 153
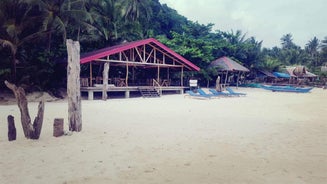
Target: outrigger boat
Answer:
pixel 287 89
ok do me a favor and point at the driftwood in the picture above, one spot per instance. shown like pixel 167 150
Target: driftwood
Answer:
pixel 73 86
pixel 11 128
pixel 58 127
pixel 31 131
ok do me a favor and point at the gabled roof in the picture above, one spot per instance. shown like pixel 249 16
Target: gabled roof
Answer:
pixel 98 54
pixel 268 74
pixel 227 64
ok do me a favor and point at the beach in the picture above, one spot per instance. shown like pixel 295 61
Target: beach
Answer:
pixel 265 137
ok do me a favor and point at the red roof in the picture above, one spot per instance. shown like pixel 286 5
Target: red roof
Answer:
pixel 88 57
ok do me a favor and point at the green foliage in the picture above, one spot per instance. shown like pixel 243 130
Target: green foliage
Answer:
pixel 33 34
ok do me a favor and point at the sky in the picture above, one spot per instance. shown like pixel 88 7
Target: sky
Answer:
pixel 266 20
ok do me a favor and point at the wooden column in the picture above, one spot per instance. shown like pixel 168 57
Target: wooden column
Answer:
pixel 238 77
pixel 91 77
pixel 73 86
pixel 226 79
pixel 158 75
pixel 126 77
pixel 105 81
pixel 182 76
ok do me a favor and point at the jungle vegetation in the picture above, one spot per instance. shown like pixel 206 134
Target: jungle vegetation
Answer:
pixel 33 35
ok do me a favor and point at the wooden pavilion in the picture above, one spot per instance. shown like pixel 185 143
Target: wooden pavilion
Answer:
pixel 226 65
pixel 144 66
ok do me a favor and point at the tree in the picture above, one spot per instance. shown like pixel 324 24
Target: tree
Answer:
pixel 133 9
pixel 323 46
pixel 64 17
pixel 18 24
pixel 287 41
pixel 312 49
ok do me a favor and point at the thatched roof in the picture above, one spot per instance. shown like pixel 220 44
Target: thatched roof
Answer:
pixel 299 71
pixel 227 64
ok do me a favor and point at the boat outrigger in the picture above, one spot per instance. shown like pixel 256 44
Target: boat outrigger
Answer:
pixel 287 89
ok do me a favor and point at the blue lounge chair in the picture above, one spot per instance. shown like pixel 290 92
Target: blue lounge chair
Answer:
pixel 196 95
pixel 203 93
pixel 232 92
pixel 219 93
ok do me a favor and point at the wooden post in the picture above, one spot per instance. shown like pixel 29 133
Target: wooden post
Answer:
pixel 73 86
pixel 158 74
pixel 182 76
pixel 11 128
pixel 238 78
pixel 58 127
pixel 31 131
pixel 105 81
pixel 91 77
pixel 126 77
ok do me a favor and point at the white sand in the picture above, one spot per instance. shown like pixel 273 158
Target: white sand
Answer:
pixel 266 137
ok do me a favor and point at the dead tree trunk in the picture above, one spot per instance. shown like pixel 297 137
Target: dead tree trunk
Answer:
pixel 73 86
pixel 11 128
pixel 31 131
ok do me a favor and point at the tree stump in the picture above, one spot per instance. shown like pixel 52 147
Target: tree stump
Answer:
pixel 58 127
pixel 11 128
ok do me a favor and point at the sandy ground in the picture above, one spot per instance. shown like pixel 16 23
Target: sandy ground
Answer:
pixel 265 137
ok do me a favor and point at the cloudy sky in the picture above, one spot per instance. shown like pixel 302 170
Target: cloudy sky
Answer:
pixel 266 20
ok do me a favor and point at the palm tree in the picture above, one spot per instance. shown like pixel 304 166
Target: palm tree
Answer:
pixel 287 41
pixel 323 46
pixel 18 25
pixel 107 19
pixel 62 16
pixel 312 49
pixel 270 64
pixel 133 9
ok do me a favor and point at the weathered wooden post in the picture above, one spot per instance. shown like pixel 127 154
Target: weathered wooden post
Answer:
pixel 11 128
pixel 105 81
pixel 58 127
pixel 73 86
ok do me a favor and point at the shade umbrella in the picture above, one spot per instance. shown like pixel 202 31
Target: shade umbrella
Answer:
pixel 225 64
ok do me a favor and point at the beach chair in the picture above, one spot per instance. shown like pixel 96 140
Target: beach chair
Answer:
pixel 232 92
pixel 195 95
pixel 219 93
pixel 203 93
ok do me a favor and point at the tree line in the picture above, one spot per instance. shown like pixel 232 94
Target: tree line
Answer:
pixel 33 35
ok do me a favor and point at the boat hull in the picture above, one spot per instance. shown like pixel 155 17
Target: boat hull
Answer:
pixel 286 89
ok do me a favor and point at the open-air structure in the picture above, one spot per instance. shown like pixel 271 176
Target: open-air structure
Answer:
pixel 144 66
pixel 226 65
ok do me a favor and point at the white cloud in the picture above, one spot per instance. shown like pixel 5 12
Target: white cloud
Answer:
pixel 266 20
